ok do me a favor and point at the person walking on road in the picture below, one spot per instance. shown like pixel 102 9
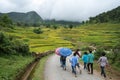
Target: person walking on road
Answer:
pixel 103 63
pixel 63 62
pixel 74 61
pixel 77 52
pixel 90 62
pixel 85 59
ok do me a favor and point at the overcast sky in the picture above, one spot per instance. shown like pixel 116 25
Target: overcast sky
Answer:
pixel 72 10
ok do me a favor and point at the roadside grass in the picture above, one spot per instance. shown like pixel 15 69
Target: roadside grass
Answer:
pixel 39 70
pixel 11 65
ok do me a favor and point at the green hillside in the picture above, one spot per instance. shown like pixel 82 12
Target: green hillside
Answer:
pixel 112 16
pixel 106 35
pixel 27 18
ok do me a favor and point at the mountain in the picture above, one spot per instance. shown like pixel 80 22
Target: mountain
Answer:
pixel 29 18
pixel 110 16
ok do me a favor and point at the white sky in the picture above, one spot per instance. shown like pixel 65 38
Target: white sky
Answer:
pixel 72 10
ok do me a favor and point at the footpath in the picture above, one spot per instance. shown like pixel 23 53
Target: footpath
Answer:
pixel 53 71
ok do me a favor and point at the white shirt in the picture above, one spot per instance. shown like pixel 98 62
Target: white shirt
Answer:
pixel 103 61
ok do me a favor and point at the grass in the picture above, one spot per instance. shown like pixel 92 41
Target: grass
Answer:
pixel 11 65
pixel 105 34
pixel 40 42
pixel 39 71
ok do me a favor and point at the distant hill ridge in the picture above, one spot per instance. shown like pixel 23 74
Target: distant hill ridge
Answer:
pixel 30 17
pixel 33 18
pixel 109 16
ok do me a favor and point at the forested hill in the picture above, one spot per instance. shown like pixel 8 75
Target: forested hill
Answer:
pixel 110 16
pixel 26 18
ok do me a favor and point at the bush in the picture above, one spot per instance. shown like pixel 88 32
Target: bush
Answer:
pixel 38 31
pixel 5 21
pixel 10 45
pixel 116 54
pixel 98 53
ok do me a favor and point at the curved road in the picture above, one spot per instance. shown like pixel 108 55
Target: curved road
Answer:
pixel 53 71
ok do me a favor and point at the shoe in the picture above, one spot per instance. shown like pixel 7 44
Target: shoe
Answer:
pixel 75 75
pixel 64 68
pixel 89 73
pixel 105 78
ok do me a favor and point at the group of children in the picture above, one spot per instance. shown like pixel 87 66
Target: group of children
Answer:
pixel 88 59
pixel 74 60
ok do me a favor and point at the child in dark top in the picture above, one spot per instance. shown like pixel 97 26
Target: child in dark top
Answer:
pixel 63 62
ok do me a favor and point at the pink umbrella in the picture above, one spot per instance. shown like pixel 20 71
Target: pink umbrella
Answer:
pixel 57 51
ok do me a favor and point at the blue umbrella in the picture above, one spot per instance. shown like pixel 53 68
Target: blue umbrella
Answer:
pixel 65 51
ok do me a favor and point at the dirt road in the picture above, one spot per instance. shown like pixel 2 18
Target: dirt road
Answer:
pixel 53 71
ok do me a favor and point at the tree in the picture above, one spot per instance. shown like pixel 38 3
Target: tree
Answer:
pixel 38 31
pixel 55 27
pixel 71 26
pixel 9 45
pixel 5 21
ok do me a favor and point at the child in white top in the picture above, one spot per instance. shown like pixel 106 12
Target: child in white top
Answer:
pixel 103 62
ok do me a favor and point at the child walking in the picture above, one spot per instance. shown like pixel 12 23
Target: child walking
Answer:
pixel 78 54
pixel 103 62
pixel 74 61
pixel 63 62
pixel 90 62
pixel 85 59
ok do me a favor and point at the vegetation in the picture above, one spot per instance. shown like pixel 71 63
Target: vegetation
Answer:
pixel 8 45
pixel 39 73
pixel 24 19
pixel 5 21
pixel 112 16
pixel 14 53
pixel 11 65
pixel 17 42
pixel 38 31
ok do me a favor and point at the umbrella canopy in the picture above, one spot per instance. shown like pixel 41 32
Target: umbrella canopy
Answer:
pixel 57 51
pixel 65 51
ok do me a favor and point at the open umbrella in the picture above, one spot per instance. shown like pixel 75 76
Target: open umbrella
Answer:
pixel 57 51
pixel 65 51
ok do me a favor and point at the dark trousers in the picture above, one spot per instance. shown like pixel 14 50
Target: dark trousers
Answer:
pixel 78 65
pixel 90 67
pixel 103 71
pixel 74 69
pixel 64 64
pixel 85 65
